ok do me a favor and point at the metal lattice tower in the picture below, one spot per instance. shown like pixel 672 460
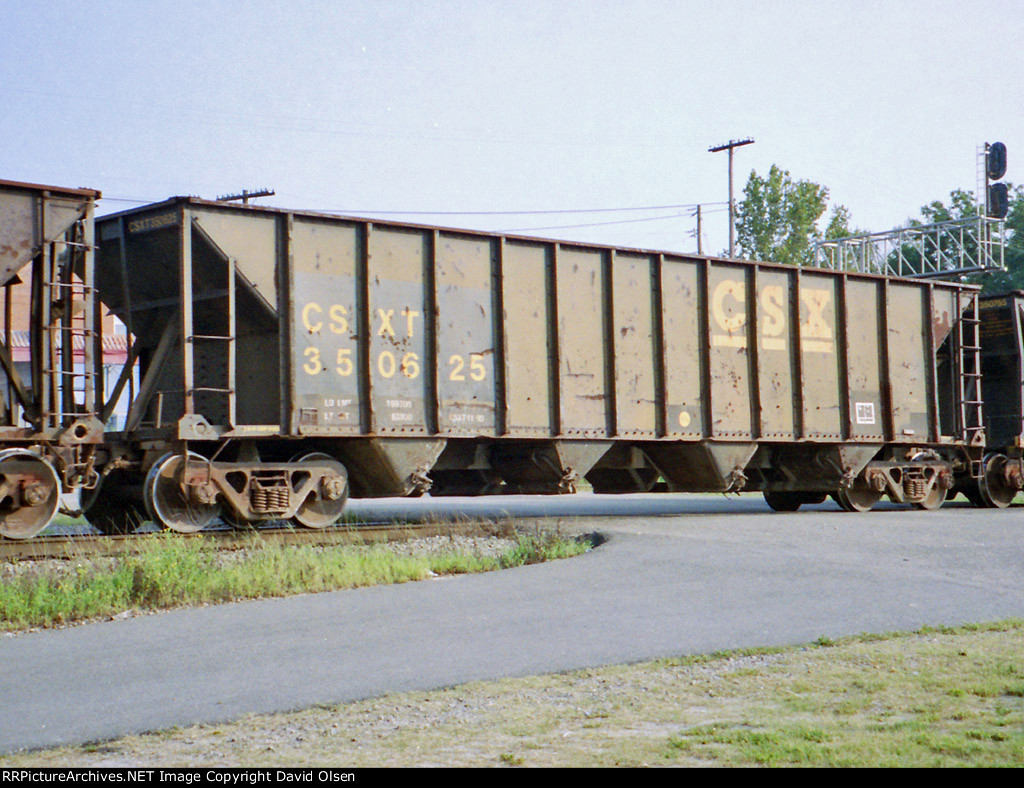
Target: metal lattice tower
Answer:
pixel 945 249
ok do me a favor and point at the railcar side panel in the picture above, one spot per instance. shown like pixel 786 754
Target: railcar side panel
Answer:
pixel 908 377
pixel 398 304
pixel 731 379
pixel 864 371
pixel 633 336
pixel 530 392
pixel 822 416
pixel 465 336
pixel 683 304
pixel 775 358
pixel 582 343
pixel 325 344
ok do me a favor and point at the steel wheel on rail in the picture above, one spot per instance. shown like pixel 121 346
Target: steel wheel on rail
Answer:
pixel 933 500
pixel 29 493
pixel 858 498
pixel 168 504
pixel 323 505
pixel 994 491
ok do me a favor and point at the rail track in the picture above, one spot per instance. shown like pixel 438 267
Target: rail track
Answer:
pixel 74 545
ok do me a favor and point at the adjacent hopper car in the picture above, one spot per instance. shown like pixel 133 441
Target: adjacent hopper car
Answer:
pixel 282 361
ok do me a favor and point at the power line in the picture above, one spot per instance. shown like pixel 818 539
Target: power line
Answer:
pixel 594 224
pixel 520 213
pixel 355 211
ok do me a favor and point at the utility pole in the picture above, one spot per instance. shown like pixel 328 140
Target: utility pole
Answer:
pixel 700 246
pixel 730 146
pixel 246 195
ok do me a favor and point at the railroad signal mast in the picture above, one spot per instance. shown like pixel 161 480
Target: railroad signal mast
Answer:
pixel 997 198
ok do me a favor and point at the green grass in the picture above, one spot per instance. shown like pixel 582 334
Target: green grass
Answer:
pixel 897 700
pixel 168 571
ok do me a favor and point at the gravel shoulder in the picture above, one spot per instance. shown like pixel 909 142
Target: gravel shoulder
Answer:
pixel 925 699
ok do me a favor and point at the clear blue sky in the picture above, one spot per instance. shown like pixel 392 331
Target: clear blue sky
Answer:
pixel 511 106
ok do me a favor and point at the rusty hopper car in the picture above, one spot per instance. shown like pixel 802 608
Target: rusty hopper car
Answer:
pixel 288 359
pixel 1002 367
pixel 50 424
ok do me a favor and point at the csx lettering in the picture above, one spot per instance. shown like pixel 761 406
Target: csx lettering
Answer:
pixel 307 317
pixel 409 315
pixel 339 318
pixel 312 318
pixel 775 318
pixel 387 315
pixel 385 322
pixel 728 309
pixel 737 292
pixel 816 326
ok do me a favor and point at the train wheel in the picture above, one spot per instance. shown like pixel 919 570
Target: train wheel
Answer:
pixel 783 500
pixel 29 493
pixel 858 498
pixel 933 500
pixel 993 490
pixel 107 510
pixel 323 507
pixel 167 503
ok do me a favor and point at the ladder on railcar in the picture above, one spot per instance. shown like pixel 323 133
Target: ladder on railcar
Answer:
pixel 64 310
pixel 211 344
pixel 972 426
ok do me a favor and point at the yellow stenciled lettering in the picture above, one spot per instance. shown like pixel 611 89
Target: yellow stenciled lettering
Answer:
pixel 339 318
pixel 312 365
pixel 385 322
pixel 477 370
pixel 477 367
pixel 816 333
pixel 386 364
pixel 343 363
pixel 817 302
pixel 457 363
pixel 410 365
pixel 307 310
pixel 775 319
pixel 734 288
pixel 774 323
pixel 730 323
pixel 409 314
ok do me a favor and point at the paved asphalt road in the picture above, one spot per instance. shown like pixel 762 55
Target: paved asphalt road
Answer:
pixel 681 575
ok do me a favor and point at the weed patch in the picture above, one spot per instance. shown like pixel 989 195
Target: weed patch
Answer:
pixel 168 571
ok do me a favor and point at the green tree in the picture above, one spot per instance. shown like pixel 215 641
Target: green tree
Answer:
pixel 777 220
pixel 839 224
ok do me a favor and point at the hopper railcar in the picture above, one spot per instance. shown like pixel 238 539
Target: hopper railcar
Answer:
pixel 285 360
pixel 51 426
pixel 290 358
